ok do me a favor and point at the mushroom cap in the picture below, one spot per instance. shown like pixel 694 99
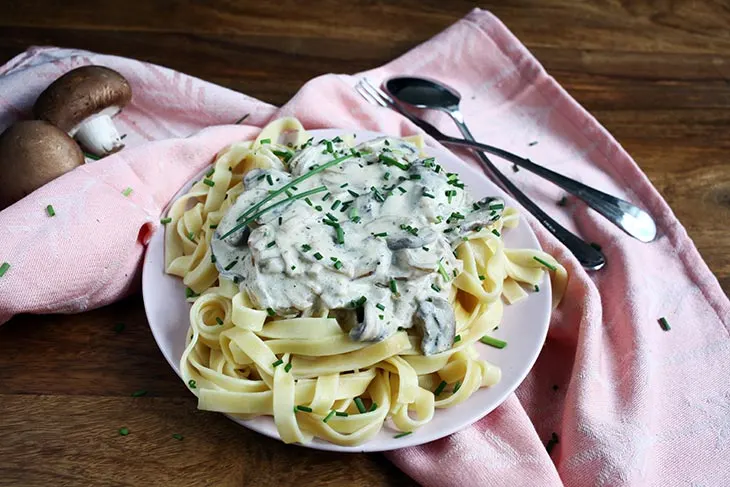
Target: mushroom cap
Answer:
pixel 82 93
pixel 33 153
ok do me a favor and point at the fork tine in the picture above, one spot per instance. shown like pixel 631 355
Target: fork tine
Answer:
pixel 374 94
pixel 380 92
pixel 367 95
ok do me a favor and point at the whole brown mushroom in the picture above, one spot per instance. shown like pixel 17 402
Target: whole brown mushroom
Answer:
pixel 82 103
pixel 33 153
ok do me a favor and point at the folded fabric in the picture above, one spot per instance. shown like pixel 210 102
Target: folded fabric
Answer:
pixel 621 401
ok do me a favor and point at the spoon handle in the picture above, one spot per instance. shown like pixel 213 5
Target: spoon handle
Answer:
pixel 588 256
pixel 629 218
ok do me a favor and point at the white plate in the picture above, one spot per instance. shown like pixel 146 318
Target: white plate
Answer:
pixel 524 326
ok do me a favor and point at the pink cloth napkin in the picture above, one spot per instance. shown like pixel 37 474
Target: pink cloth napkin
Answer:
pixel 631 404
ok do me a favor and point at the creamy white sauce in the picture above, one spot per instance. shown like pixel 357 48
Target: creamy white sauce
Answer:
pixel 391 263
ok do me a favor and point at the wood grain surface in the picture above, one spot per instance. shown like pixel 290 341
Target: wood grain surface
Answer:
pixel 655 73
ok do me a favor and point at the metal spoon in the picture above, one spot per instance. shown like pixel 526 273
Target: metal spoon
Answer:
pixel 427 93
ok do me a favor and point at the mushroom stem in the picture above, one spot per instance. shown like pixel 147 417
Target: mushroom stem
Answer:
pixel 99 135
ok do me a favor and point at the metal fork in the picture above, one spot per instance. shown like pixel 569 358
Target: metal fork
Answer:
pixel 588 256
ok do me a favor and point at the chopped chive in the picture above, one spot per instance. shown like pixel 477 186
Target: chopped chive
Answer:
pixel 277 363
pixel 344 185
pixel 380 307
pixel 288 193
pixel 270 244
pixel 127 191
pixel 664 324
pixel 440 388
pixel 393 286
pixel 261 177
pixel 596 246
pixel 496 232
pixel 92 156
pixel 139 393
pixel 326 196
pixel 386 176
pixel 241 119
pixel 318 208
pixel 338 265
pixel 209 182
pixel 426 249
pixel 415 177
pixel 329 416
pixel 189 293
pixel 306 409
pixel 287 367
pixel 306 247
pixel 309 202
pixel 354 215
pixel 546 264
pixel 465 238
pixel 376 194
pixel 380 317
pixel 401 435
pixel 353 193
pixel 191 236
pixel 335 205
pixel 123 431
pixel 270 312
pixel 498 206
pixel 341 414
pixel 443 273
pixel 270 180
pixel 165 221
pixel 534 142
pixel 456 388
pixel 537 288
pixel 494 342
pixel 332 217
pixel 360 405
pixel 402 190
pixel 50 210
pixel 329 146
pixel 219 321
pixel 381 234
pixel 318 256
pixel 427 194
pixel 373 407
pixel 389 161
pixel 192 384
pixel 435 288
pixel 481 277
pixel 563 201
pixel 178 436
pixel 457 338
pixel 230 265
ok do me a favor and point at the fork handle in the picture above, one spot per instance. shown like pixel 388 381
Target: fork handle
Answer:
pixel 588 256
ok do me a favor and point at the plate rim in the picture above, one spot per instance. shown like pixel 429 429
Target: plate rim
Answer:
pixel 410 440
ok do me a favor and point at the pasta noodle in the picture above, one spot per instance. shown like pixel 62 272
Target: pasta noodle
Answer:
pixel 306 372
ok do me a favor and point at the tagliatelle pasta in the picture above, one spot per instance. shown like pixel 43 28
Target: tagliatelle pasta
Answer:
pixel 306 371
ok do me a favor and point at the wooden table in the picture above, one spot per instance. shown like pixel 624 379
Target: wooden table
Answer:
pixel 656 73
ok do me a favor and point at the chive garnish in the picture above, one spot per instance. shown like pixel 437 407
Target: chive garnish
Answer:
pixel 360 405
pixel 287 367
pixel 354 215
pixel 481 277
pixel 178 436
pixel 338 265
pixel 435 288
pixel 50 210
pixel 277 363
pixel 402 190
pixel 496 232
pixel 456 388
pixel 427 194
pixel 329 146
pixel 386 176
pixel 443 273
pixel 189 293
pixel 344 185
pixel 401 435
pixel 219 321
pixel 306 409
pixel 306 247
pixel 127 191
pixel 329 416
pixel 241 119
pixel 269 180
pixel 326 196
pixel 318 208
pixel 192 384
pixel 373 407
pixel 123 431
pixel 332 217
pixel 293 267
pixel 380 317
pixel 230 265
pixel 339 235
pixel 296 181
pixel 415 177
pixel 139 393
pixel 546 264
pixel 426 249
pixel 494 342
pixel 380 307
pixel 274 205
pixel 213 227
pixel 498 206
pixel 309 202
pixel 270 244
pixel 165 221
pixel 335 205
pixel 92 156
pixel 537 288
pixel 440 388
pixel 389 161
pixel 664 324
pixel 457 338
pixel 270 312
pixel 353 193
pixel 341 414
pixel 318 256
pixel 381 234
pixel 209 182
pixel 393 286
pixel 376 194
